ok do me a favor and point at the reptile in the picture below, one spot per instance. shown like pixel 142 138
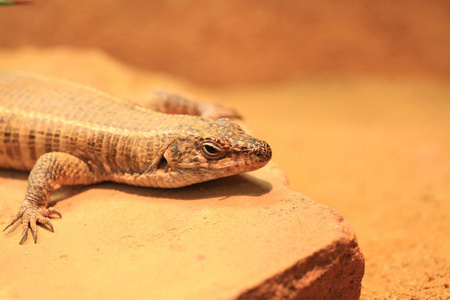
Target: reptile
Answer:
pixel 70 134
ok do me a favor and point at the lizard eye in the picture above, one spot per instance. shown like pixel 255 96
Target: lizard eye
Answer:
pixel 212 150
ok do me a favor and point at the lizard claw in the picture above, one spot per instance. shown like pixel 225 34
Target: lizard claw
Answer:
pixel 53 211
pixel 24 237
pixel 30 218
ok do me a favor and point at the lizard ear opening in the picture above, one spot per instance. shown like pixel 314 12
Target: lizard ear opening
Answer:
pixel 162 164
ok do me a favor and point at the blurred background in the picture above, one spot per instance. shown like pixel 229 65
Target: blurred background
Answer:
pixel 225 43
pixel 353 96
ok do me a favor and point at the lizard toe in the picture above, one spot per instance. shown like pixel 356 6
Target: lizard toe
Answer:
pixel 16 217
pixel 46 222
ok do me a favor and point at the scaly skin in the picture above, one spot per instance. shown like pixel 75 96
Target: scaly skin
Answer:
pixel 71 134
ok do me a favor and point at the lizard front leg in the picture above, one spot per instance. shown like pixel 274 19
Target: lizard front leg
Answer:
pixel 50 169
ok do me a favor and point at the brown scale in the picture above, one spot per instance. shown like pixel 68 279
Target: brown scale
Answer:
pixel 69 134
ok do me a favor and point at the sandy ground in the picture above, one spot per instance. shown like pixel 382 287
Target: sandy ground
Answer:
pixel 376 150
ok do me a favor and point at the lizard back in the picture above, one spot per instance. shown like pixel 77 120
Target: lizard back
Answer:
pixel 40 115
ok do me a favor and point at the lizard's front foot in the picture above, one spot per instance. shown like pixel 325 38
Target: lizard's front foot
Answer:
pixel 30 217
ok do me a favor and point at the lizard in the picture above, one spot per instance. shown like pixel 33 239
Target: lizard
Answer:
pixel 66 133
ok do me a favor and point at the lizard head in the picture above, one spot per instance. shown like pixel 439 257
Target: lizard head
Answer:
pixel 210 150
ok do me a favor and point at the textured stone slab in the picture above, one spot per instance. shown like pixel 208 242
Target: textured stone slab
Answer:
pixel 243 237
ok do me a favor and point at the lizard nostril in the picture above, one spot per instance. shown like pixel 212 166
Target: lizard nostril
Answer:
pixel 264 151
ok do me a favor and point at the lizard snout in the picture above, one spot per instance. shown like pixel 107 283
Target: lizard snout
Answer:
pixel 263 151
